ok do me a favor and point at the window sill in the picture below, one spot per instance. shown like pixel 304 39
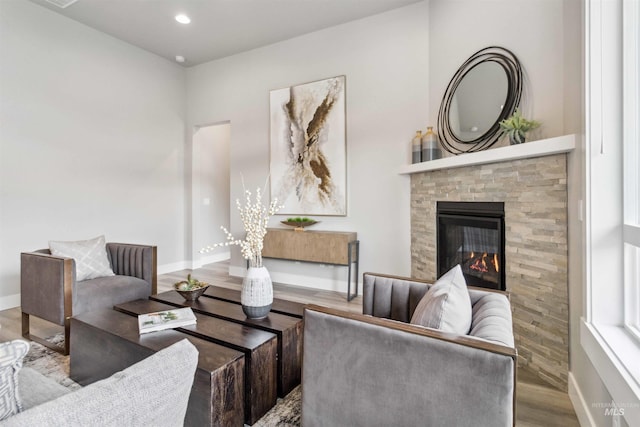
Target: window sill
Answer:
pixel 614 353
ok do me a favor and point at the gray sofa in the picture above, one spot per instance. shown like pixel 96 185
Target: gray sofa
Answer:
pixel 49 290
pixel 375 369
pixel 152 392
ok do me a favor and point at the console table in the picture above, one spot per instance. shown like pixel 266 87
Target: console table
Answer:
pixel 324 247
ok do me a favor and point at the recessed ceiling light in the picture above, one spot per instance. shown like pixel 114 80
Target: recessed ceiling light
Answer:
pixel 183 19
pixel 179 58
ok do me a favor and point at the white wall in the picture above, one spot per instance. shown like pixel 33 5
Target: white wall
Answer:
pixel 92 129
pixel 586 388
pixel 211 206
pixel 384 59
pixel 91 140
pixel 531 29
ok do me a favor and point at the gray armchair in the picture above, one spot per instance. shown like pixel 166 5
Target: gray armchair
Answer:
pixel 152 392
pixel 49 290
pixel 374 369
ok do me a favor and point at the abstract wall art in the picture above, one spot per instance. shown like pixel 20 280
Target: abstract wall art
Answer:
pixel 308 148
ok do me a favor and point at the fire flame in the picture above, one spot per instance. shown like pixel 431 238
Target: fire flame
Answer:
pixel 480 263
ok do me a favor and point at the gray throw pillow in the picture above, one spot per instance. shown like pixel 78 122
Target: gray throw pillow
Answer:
pixel 90 256
pixel 446 305
pixel 11 354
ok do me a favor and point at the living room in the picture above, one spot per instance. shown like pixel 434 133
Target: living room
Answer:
pixel 97 134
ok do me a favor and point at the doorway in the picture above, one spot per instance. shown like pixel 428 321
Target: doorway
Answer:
pixel 210 183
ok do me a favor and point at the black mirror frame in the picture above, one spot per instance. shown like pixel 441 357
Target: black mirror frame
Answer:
pixel 512 68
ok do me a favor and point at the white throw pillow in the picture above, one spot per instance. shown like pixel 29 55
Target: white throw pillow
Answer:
pixel 446 305
pixel 90 256
pixel 11 354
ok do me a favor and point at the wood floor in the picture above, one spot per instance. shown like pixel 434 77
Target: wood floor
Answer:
pixel 538 404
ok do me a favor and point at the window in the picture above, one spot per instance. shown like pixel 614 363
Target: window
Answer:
pixel 631 135
pixel 610 333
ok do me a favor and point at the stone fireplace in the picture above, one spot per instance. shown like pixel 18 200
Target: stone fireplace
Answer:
pixel 534 193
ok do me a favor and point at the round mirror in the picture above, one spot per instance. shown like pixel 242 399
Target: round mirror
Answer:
pixel 485 90
pixel 477 101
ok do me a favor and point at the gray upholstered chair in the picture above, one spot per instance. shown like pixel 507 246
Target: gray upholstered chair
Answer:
pixel 375 369
pixel 152 392
pixel 49 290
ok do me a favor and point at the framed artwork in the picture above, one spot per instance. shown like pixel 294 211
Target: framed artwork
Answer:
pixel 308 148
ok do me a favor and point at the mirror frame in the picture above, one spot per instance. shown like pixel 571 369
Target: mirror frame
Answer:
pixel 513 70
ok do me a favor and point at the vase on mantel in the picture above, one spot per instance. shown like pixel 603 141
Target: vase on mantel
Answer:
pixel 256 296
pixel 513 140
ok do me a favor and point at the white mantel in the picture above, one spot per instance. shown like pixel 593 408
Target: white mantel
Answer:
pixel 542 147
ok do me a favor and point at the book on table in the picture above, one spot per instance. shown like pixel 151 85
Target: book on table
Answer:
pixel 166 319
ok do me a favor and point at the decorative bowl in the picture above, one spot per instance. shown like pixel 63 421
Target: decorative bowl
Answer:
pixel 300 224
pixel 192 294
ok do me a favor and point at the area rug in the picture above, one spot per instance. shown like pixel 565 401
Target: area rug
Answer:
pixel 286 413
pixel 54 365
pixel 50 363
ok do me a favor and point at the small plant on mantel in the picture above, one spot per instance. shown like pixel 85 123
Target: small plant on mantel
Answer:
pixel 516 127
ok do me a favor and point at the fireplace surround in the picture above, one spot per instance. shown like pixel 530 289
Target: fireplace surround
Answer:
pixel 531 180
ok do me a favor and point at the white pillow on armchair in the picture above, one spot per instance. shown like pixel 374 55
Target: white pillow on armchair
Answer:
pixel 446 305
pixel 90 256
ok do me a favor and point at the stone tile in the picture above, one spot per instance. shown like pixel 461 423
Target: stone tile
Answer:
pixel 535 196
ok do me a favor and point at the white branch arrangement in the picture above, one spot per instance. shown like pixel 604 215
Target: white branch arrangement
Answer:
pixel 255 217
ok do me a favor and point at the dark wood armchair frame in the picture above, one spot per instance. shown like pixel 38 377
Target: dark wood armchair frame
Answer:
pixel 66 272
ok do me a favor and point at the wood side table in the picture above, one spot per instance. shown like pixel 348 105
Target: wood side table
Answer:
pixel 324 247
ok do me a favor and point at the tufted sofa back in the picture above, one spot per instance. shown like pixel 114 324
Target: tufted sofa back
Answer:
pixel 396 298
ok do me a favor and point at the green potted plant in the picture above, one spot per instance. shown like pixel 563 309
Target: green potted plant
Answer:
pixel 299 223
pixel 516 127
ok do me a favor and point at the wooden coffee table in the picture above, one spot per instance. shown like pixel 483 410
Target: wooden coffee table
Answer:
pixel 106 341
pixel 285 322
pixel 259 349
pixel 281 306
pixel 244 364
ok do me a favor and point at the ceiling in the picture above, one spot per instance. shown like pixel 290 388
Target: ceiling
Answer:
pixel 218 28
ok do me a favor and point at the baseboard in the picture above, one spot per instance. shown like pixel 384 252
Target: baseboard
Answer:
pixel 10 301
pixel 174 266
pixel 298 280
pixel 223 256
pixel 579 404
pixel 192 265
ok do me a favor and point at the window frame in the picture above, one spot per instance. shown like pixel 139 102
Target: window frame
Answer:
pixel 609 331
pixel 631 167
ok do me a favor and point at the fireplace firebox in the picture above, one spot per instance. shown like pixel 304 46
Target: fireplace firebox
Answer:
pixel 472 234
